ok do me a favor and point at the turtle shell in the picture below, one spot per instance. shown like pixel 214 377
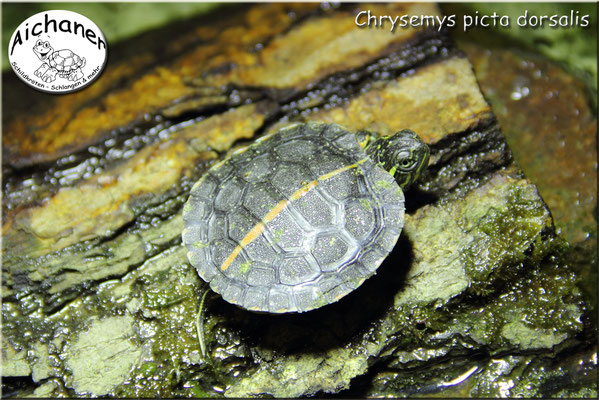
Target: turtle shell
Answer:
pixel 293 222
pixel 64 60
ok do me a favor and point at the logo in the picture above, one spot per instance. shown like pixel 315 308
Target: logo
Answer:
pixel 57 51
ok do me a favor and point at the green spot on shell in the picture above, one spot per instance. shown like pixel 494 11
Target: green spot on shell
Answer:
pixel 243 268
pixel 383 184
pixel 199 244
pixel 277 234
pixel 365 203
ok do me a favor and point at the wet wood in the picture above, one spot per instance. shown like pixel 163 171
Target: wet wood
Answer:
pixel 94 184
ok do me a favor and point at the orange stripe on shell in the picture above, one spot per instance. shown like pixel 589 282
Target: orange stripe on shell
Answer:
pixel 257 230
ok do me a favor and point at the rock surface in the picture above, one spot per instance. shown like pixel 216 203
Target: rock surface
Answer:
pixel 98 297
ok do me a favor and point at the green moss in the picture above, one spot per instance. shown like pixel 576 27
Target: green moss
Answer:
pixel 530 314
pixel 507 234
pixel 147 382
pixel 170 301
pixel 580 393
pixel 524 376
pixel 149 368
pixel 164 290
pixel 498 244
pixel 197 391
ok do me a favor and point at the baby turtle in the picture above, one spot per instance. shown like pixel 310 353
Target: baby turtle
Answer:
pixel 63 63
pixel 302 217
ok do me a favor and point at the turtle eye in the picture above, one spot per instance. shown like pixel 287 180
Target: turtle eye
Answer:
pixel 406 163
pixel 46 45
pixel 38 43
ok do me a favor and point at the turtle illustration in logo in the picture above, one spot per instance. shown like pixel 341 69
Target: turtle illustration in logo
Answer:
pixel 63 63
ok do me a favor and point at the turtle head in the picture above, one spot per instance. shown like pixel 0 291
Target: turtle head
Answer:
pixel 403 155
pixel 42 50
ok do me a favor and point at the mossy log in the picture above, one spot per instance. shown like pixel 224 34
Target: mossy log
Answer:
pixel 98 296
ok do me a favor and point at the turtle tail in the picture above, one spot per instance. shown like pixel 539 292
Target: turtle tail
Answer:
pixel 82 62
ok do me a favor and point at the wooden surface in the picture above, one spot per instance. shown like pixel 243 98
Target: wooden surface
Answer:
pixel 94 183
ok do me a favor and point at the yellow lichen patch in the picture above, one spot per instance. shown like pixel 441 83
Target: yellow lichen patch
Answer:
pixel 439 99
pixel 128 91
pixel 76 119
pixel 101 204
pixel 293 56
pixel 325 45
pixel 221 131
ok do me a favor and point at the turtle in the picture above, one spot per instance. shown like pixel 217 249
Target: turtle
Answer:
pixel 63 63
pixel 301 217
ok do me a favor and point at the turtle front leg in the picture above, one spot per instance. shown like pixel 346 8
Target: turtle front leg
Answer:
pixel 366 138
pixel 50 75
pixel 41 70
pixel 75 75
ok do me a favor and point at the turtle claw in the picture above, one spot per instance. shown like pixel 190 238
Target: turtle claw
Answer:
pixel 50 75
pixel 75 76
pixel 41 70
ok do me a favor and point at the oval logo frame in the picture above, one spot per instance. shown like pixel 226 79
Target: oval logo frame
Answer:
pixel 58 51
